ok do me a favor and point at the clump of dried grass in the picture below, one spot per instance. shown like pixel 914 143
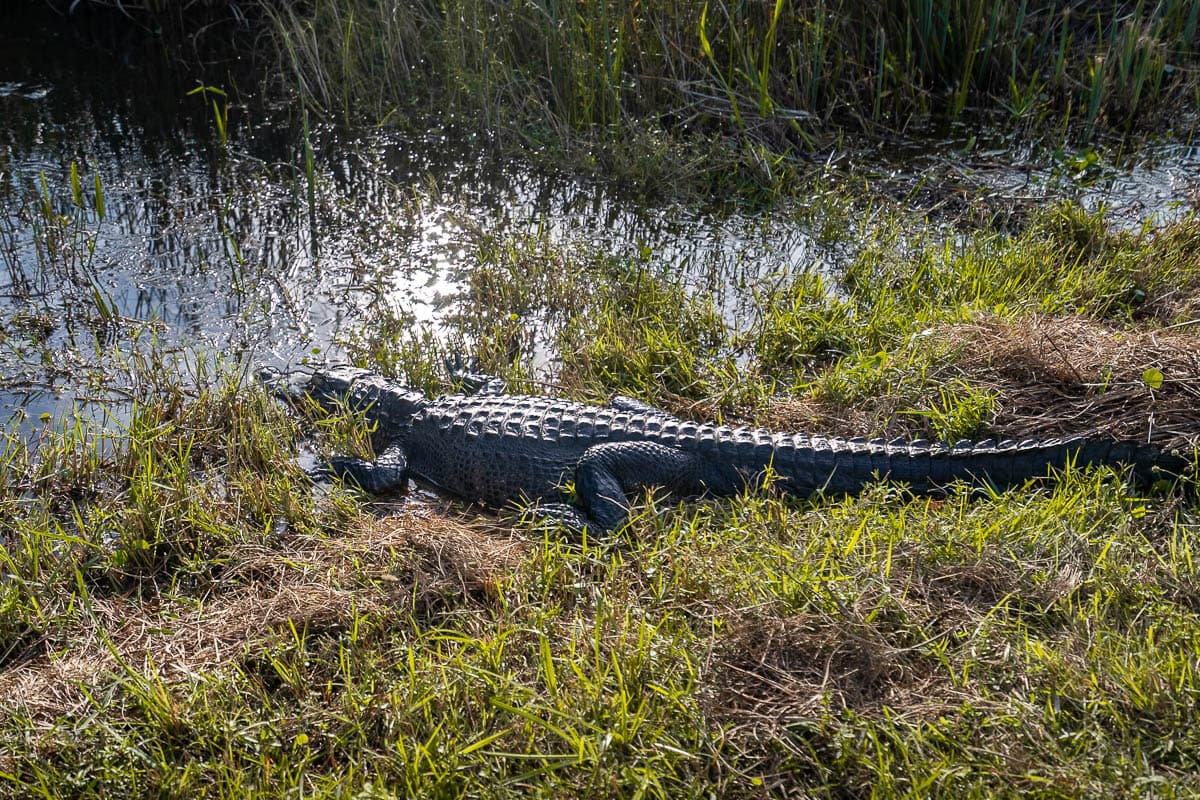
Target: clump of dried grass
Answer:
pixel 1051 376
pixel 773 679
pixel 382 567
pixel 875 416
pixel 1068 375
pixel 775 672
pixel 446 559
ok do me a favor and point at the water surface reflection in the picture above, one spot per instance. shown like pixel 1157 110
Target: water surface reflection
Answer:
pixel 196 245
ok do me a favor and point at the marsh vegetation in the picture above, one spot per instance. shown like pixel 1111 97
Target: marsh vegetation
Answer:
pixel 702 91
pixel 926 219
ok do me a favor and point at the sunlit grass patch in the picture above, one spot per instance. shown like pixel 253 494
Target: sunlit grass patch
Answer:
pixel 975 328
pixel 647 334
pixel 857 645
pixel 1067 260
pixel 607 323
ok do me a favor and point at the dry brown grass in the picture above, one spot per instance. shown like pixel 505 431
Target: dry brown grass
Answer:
pixel 1052 376
pixel 772 672
pixel 873 417
pixel 774 682
pixel 385 567
pixel 1061 375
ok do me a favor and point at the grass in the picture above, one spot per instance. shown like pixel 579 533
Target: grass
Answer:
pixel 184 614
pixel 280 641
pixel 735 91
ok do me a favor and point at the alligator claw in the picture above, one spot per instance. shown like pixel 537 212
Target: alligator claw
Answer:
pixel 562 516
pixel 372 477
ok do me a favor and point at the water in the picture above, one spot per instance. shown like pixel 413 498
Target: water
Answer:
pixel 209 248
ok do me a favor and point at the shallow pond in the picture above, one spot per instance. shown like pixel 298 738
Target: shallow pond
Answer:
pixel 136 226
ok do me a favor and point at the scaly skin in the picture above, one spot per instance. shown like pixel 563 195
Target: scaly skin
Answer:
pixel 496 449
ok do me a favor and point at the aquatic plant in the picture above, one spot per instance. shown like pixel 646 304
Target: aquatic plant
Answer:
pixel 785 76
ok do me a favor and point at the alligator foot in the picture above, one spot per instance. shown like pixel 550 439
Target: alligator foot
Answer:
pixel 563 515
pixel 465 373
pixel 386 473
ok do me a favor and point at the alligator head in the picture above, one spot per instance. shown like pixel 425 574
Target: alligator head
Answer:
pixel 344 387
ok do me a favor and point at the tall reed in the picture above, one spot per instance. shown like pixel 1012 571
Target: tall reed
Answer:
pixel 777 73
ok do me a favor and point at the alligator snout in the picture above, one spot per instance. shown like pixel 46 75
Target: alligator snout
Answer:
pixel 291 386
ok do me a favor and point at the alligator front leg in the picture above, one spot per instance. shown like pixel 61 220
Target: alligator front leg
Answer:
pixel 389 471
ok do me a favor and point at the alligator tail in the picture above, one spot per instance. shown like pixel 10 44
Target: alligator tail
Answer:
pixel 845 466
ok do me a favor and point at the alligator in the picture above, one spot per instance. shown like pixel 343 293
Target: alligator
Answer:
pixel 496 448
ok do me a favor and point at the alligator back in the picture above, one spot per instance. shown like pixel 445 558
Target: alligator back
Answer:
pixel 497 448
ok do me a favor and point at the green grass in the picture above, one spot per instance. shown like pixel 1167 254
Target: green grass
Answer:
pixel 731 92
pixel 1044 640
pixel 184 615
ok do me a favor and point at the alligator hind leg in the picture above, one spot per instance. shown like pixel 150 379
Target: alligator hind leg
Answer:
pixel 606 472
pixel 388 472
